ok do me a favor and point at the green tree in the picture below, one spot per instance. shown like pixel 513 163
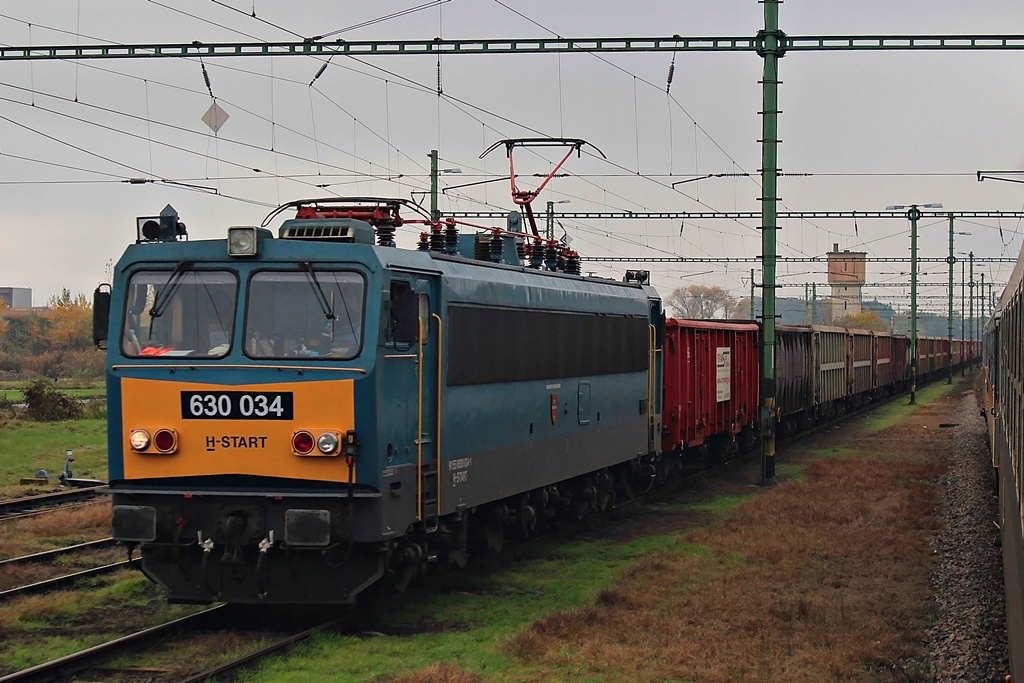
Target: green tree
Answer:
pixel 70 320
pixel 865 320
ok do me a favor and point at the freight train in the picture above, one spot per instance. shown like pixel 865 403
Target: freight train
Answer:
pixel 1003 360
pixel 296 418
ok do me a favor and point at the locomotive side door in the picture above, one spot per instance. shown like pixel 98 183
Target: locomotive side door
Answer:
pixel 412 382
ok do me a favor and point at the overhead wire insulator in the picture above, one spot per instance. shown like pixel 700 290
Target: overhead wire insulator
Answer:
pixel 451 237
pixel 206 77
pixel 320 72
pixel 671 73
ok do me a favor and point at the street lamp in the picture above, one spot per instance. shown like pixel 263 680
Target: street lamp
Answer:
pixel 951 259
pixel 913 215
pixel 551 217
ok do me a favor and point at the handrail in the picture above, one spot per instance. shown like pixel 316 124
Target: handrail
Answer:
pixel 437 459
pixel 419 422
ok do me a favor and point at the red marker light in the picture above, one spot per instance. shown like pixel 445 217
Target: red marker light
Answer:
pixel 165 441
pixel 303 442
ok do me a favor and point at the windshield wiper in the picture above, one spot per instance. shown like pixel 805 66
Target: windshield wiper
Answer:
pixel 321 298
pixel 170 287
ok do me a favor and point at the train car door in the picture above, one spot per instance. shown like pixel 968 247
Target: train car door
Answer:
pixel 411 384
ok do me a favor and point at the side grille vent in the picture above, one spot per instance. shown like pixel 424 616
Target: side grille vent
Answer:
pixel 327 230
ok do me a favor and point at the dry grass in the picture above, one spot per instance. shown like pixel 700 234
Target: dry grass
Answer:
pixel 25 574
pixel 825 579
pixel 439 673
pixel 26 608
pixel 62 526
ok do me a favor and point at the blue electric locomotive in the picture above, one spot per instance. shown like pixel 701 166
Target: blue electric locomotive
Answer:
pixel 293 418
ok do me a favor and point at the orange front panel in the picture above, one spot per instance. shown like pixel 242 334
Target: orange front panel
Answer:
pixel 212 446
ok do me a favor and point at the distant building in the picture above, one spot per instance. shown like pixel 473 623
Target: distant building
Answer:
pixel 16 297
pixel 846 275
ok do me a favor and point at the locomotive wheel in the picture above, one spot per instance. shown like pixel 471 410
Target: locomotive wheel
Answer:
pixel 494 537
pixel 403 576
pixel 486 535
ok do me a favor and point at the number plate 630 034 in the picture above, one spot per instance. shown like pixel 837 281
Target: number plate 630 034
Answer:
pixel 236 405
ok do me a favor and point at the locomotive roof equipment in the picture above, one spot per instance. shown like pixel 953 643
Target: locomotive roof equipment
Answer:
pixel 525 197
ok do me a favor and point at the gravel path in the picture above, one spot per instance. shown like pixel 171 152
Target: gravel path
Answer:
pixel 968 642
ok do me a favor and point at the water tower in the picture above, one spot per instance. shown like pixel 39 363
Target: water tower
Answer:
pixel 846 276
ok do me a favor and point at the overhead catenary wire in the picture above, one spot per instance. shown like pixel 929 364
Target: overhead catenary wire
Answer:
pixel 388 136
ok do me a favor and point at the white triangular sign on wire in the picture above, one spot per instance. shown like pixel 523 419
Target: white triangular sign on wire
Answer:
pixel 215 117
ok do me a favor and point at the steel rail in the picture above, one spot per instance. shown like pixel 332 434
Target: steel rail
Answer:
pixel 57 552
pixel 66 666
pixel 262 652
pixel 62 581
pixel 9 507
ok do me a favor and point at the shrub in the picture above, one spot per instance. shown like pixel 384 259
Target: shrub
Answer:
pixel 95 409
pixel 45 403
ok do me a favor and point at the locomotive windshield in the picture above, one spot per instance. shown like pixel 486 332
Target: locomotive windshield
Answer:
pixel 304 314
pixel 180 313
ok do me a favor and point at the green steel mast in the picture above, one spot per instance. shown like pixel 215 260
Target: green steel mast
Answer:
pixel 771 47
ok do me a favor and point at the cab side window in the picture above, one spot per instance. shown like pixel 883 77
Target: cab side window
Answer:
pixel 404 326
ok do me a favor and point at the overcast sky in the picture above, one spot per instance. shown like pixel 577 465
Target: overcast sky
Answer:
pixel 874 128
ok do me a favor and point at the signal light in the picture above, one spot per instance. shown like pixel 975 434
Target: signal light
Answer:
pixel 162 228
pixel 302 443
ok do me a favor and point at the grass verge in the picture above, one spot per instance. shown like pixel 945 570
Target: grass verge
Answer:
pixel 29 446
pixel 37 629
pixel 822 577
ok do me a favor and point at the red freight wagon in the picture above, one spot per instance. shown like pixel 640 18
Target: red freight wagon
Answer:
pixel 711 377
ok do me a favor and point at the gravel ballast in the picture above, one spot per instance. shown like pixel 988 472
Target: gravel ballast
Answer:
pixel 968 640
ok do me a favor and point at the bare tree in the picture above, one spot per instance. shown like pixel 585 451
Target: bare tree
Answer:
pixel 701 302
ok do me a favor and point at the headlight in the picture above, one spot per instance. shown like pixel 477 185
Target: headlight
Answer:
pixel 139 440
pixel 242 241
pixel 327 443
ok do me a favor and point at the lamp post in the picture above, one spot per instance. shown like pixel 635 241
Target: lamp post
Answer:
pixel 913 215
pixel 951 259
pixel 970 298
pixel 963 316
pixel 434 171
pixel 981 306
pixel 551 217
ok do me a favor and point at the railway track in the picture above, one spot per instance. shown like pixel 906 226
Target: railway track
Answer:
pixel 219 617
pixel 64 580
pixel 65 667
pixel 30 505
